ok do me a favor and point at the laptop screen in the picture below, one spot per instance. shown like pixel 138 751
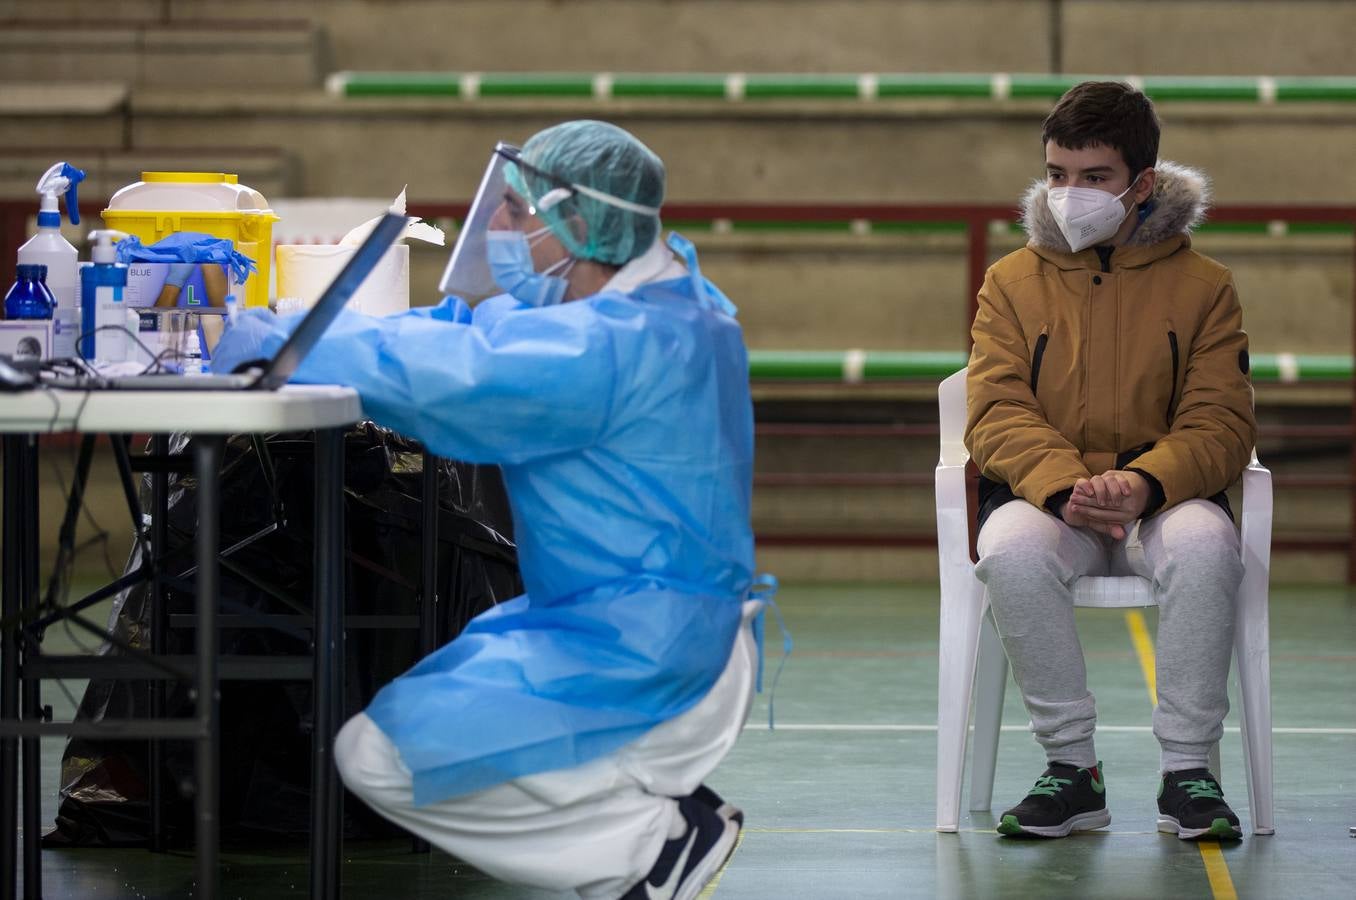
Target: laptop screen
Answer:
pixel 327 308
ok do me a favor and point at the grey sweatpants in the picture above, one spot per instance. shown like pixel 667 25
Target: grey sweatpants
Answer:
pixel 1029 560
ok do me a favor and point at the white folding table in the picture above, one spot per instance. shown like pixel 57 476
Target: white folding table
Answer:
pixel 208 416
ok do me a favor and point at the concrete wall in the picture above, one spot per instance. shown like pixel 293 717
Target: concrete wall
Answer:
pixel 1208 37
pixel 898 151
pixel 909 292
pixel 110 51
pixel 638 35
pixel 1294 37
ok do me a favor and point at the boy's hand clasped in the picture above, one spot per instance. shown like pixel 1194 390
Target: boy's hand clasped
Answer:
pixel 1107 503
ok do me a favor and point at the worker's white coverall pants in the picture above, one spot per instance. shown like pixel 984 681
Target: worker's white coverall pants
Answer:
pixel 596 828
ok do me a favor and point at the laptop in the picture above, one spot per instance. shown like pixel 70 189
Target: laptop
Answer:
pixel 275 372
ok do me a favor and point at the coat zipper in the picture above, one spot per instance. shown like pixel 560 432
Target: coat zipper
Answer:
pixel 1036 359
pixel 1176 362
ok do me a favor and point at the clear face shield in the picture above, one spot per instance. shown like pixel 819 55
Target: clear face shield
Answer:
pixel 497 207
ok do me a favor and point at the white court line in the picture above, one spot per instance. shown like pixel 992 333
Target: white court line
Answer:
pixel 921 830
pixel 1115 729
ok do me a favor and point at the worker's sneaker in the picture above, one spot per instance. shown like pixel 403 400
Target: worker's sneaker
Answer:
pixel 725 809
pixel 688 862
pixel 1064 799
pixel 1191 805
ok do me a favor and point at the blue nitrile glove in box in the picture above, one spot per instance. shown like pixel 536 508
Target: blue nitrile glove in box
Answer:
pixel 187 247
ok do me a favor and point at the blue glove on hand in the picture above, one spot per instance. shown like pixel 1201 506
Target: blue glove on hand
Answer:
pixel 244 340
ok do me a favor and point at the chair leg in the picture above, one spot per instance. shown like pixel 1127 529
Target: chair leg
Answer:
pixel 991 681
pixel 1252 654
pixel 962 611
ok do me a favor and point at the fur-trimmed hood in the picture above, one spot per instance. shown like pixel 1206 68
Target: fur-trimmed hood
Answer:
pixel 1180 200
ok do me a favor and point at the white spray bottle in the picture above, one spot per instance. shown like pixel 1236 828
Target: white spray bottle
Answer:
pixel 48 248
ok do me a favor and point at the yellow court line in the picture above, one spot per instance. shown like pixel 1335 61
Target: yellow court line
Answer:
pixel 1144 649
pixel 1216 869
pixel 711 885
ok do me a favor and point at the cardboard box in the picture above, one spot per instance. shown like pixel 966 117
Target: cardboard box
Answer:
pixel 26 338
pixel 191 286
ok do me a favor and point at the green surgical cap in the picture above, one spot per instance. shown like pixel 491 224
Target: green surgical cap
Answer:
pixel 608 159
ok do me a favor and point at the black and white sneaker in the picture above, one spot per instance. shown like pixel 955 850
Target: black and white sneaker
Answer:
pixel 1063 800
pixel 1191 806
pixel 726 810
pixel 688 862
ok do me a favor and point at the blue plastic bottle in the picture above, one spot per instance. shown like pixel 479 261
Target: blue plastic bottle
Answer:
pixel 101 294
pixel 28 298
pixel 43 272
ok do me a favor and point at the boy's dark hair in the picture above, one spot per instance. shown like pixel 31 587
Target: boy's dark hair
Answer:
pixel 1110 113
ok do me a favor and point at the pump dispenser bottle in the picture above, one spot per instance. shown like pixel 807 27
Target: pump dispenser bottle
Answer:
pixel 103 313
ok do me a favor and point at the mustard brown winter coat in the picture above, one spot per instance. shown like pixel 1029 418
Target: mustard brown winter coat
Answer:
pixel 1110 358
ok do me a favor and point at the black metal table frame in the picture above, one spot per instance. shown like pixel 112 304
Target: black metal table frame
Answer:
pixel 21 718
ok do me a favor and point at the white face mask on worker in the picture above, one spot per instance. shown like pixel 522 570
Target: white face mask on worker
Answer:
pixel 1087 216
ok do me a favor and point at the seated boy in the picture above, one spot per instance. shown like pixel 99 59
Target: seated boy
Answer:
pixel 1109 408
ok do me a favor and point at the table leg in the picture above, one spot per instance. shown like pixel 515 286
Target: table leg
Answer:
pixel 30 688
pixel 428 590
pixel 159 535
pixel 328 655
pixel 428 550
pixel 12 577
pixel 208 452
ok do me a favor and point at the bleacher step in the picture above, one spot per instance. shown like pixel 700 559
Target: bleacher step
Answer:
pixel 154 53
pixel 270 170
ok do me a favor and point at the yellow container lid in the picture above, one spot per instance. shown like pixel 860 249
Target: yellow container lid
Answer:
pixel 191 177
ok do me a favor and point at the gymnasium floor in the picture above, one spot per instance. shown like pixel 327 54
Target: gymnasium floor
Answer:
pixel 839 798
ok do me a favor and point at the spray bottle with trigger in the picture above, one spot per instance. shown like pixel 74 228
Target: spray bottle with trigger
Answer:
pixel 48 248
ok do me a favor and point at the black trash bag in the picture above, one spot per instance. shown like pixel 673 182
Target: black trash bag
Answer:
pixel 267 489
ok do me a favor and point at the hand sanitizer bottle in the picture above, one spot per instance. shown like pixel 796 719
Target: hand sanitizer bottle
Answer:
pixel 103 313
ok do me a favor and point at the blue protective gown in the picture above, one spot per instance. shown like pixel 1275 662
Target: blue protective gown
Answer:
pixel 624 428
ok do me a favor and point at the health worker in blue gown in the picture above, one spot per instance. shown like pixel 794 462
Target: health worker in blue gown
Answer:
pixel 562 739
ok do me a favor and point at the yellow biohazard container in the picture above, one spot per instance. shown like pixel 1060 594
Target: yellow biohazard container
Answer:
pixel 215 203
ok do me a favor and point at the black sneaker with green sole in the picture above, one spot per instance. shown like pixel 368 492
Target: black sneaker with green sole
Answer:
pixel 1191 806
pixel 1064 800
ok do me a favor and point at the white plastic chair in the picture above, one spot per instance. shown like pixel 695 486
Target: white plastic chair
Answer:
pixel 971 653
